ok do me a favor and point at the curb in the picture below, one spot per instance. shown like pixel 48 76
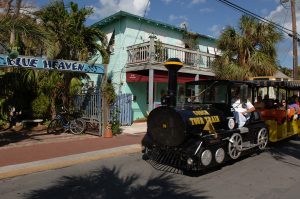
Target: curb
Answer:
pixel 61 162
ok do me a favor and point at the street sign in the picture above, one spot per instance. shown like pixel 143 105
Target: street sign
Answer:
pixel 44 64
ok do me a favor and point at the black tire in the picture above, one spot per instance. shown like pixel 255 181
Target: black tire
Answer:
pixel 55 127
pixel 77 126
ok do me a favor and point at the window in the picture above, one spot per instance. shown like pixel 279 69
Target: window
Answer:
pixel 207 92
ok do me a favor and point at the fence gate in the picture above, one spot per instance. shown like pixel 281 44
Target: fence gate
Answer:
pixel 121 110
pixel 89 103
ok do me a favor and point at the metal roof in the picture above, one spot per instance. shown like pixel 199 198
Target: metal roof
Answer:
pixel 293 85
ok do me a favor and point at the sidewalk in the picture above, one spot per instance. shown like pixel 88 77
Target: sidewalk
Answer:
pixel 38 151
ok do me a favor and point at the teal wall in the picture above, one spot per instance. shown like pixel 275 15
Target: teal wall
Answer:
pixel 139 106
pixel 127 33
pixel 130 31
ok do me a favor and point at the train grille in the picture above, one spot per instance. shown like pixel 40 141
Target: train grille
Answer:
pixel 173 161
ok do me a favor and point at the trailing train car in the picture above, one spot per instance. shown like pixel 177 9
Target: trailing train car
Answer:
pixel 281 119
pixel 202 131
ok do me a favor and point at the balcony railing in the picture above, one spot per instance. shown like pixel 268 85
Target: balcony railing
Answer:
pixel 141 53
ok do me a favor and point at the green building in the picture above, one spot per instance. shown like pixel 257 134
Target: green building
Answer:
pixel 139 47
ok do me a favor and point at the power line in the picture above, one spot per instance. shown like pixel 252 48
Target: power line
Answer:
pixel 139 30
pixel 140 26
pixel 245 11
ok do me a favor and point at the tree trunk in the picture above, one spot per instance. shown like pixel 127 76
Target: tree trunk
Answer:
pixel 52 108
pixel 105 107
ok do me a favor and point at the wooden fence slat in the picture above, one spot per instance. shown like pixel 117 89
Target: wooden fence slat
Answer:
pixel 122 107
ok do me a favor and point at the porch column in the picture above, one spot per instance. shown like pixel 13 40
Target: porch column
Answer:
pixel 197 88
pixel 152 48
pixel 150 89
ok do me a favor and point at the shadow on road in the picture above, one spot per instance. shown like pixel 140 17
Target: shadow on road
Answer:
pixel 284 148
pixel 9 136
pixel 12 137
pixel 107 183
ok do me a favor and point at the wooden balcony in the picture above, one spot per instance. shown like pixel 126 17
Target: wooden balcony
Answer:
pixel 158 53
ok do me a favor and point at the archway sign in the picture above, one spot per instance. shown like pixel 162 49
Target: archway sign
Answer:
pixel 44 64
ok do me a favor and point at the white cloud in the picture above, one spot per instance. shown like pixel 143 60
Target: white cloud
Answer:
pixel 197 1
pixel 283 17
pixel 216 30
pixel 175 17
pixel 167 1
pixel 194 2
pixel 205 10
pixel 108 7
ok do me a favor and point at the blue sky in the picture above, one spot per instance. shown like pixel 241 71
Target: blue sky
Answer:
pixel 206 17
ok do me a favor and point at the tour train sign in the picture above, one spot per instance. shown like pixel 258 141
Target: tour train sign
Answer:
pixel 42 63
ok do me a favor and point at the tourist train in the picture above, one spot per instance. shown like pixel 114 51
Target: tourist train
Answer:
pixel 198 130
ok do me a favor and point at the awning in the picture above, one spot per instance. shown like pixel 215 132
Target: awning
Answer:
pixel 161 78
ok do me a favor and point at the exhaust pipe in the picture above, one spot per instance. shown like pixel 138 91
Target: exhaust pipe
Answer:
pixel 173 65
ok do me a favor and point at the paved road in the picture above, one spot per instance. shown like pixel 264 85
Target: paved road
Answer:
pixel 272 174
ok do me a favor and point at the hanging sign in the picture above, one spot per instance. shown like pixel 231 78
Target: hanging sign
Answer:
pixel 41 63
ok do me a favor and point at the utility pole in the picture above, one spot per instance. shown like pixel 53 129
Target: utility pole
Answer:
pixel 294 36
pixel 295 47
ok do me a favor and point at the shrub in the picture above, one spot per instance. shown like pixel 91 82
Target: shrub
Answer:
pixel 3 124
pixel 116 128
pixel 115 123
pixel 40 106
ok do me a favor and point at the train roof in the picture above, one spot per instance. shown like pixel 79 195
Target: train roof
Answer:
pixel 294 85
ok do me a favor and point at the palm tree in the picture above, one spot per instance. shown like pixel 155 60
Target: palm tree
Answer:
pixel 29 35
pixel 71 39
pixel 249 51
pixel 22 30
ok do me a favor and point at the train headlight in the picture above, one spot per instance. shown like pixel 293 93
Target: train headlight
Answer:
pixel 190 161
pixel 231 123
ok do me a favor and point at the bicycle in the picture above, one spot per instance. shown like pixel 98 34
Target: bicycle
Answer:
pixel 91 124
pixel 65 121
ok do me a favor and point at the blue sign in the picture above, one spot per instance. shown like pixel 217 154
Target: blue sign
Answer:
pixel 41 63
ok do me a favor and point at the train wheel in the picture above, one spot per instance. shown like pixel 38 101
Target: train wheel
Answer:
pixel 235 146
pixel 262 138
pixel 206 157
pixel 220 155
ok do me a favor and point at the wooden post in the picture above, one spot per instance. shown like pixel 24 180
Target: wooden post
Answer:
pixel 152 48
pixel 295 50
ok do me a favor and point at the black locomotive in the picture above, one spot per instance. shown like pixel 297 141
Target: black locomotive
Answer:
pixel 200 131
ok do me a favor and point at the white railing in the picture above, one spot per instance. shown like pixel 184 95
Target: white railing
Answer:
pixel 141 53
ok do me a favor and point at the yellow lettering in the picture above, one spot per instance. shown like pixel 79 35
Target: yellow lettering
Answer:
pixel 215 119
pixel 200 113
pixel 196 120
pixel 203 120
pixel 192 121
pixel 207 119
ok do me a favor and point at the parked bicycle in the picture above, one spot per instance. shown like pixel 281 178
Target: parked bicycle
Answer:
pixel 91 124
pixel 65 121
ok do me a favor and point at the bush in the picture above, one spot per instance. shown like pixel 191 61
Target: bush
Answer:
pixel 3 124
pixel 115 123
pixel 40 106
pixel 116 128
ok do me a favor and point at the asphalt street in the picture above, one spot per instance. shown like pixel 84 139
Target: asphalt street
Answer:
pixel 274 173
